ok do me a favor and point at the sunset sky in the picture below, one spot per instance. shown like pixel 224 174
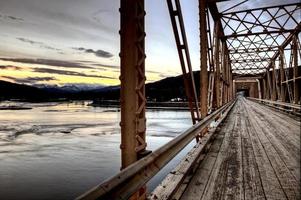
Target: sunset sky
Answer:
pixel 77 41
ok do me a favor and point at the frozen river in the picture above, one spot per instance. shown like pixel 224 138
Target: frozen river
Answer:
pixel 59 150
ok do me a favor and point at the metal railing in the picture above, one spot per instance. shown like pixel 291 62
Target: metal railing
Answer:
pixel 130 179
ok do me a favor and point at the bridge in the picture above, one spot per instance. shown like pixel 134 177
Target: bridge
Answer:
pixel 245 116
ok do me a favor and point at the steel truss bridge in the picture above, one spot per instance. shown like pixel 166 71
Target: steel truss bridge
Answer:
pixel 254 150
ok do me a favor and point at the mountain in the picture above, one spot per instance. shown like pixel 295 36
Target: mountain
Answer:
pixel 70 88
pixel 17 91
pixel 162 90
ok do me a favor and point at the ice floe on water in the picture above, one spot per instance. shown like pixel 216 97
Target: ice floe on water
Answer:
pixel 72 144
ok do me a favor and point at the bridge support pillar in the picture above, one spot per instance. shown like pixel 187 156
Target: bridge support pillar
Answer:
pixel 204 71
pixel 132 78
pixel 296 71
pixel 275 87
pixel 281 67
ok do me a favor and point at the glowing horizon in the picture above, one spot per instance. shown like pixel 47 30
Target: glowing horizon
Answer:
pixel 62 42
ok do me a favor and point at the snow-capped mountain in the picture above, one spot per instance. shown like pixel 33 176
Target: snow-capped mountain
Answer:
pixel 71 87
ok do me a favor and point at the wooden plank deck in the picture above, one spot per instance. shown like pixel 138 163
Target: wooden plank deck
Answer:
pixel 256 155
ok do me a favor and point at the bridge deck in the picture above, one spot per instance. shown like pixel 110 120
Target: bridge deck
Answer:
pixel 256 155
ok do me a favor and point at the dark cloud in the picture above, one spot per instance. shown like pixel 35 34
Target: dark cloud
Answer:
pixel 68 73
pixel 49 62
pixel 9 17
pixel 10 67
pixel 98 53
pixel 40 44
pixel 30 80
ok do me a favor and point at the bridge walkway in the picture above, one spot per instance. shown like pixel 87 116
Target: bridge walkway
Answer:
pixel 255 155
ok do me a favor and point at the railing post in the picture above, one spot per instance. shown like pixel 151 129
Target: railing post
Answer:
pixel 132 95
pixel 204 71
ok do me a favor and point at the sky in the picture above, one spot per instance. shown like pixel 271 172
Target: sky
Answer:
pixel 61 42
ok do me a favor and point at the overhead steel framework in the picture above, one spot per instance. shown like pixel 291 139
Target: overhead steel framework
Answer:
pixel 259 46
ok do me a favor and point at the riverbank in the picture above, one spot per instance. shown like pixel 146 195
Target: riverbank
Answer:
pixel 149 105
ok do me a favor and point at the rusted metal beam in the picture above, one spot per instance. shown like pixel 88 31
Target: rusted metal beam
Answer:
pixel 296 71
pixel 286 42
pixel 269 85
pixel 132 95
pixel 175 12
pixel 204 70
pixel 235 35
pixel 275 89
pixel 282 78
pixel 263 8
pixel 217 64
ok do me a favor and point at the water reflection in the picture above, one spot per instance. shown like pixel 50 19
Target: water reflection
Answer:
pixel 59 150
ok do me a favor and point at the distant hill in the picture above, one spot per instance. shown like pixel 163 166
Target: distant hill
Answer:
pixel 17 91
pixel 162 90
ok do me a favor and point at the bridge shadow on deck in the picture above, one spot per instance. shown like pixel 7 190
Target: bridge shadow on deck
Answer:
pixel 256 155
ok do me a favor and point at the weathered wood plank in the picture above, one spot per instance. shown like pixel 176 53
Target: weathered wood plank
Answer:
pixel 251 176
pixel 234 181
pixel 282 146
pixel 216 184
pixel 199 181
pixel 254 156
pixel 287 181
pixel 270 182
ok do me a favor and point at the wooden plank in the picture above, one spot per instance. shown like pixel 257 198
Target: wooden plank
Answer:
pixel 215 186
pixel 253 161
pixel 234 181
pixel 200 178
pixel 289 179
pixel 287 133
pixel 270 182
pixel 251 177
pixel 173 180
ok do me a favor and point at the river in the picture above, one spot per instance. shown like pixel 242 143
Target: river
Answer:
pixel 60 150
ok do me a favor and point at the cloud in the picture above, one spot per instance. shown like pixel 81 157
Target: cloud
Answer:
pixel 10 67
pixel 68 73
pixel 49 62
pixel 40 44
pixel 30 80
pixel 10 17
pixel 98 53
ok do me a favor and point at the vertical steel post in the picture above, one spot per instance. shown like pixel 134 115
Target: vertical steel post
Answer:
pixel 204 71
pixel 264 90
pixel 259 89
pixel 132 95
pixel 231 85
pixel 274 90
pixel 296 70
pixel 132 78
pixel 217 64
pixel 270 86
pixel 282 85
